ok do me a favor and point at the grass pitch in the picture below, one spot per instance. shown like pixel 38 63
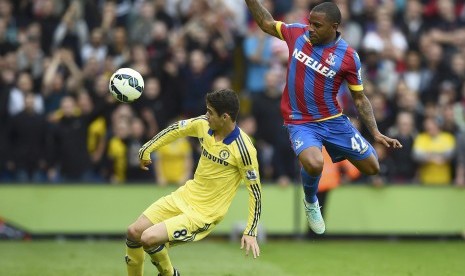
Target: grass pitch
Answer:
pixel 283 258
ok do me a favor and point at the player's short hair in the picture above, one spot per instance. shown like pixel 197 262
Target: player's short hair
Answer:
pixel 224 101
pixel 331 10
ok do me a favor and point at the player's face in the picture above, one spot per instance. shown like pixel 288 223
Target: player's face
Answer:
pixel 321 30
pixel 215 121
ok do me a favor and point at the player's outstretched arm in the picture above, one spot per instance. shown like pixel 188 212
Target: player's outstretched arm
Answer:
pixel 250 243
pixel 263 17
pixel 365 111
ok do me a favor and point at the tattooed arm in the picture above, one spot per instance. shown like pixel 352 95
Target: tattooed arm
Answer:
pixel 263 17
pixel 365 111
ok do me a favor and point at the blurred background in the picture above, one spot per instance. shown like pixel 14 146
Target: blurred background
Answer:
pixel 68 157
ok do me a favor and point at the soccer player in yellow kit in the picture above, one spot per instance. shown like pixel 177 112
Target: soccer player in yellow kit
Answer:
pixel 191 212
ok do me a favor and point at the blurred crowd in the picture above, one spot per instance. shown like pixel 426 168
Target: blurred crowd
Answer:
pixel 58 122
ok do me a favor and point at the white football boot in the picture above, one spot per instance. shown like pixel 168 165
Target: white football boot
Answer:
pixel 314 217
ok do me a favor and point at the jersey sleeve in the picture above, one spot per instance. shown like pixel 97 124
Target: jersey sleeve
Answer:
pixel 289 32
pixel 192 127
pixel 354 73
pixel 248 167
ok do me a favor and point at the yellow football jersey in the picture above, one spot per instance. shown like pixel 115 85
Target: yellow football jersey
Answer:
pixel 222 167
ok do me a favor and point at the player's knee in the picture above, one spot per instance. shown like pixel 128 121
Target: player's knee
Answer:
pixel 134 233
pixel 148 239
pixel 313 166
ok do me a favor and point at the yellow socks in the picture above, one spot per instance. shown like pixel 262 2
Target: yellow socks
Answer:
pixel 134 258
pixel 160 258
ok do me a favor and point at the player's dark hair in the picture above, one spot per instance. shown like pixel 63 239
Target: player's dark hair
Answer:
pixel 331 10
pixel 224 101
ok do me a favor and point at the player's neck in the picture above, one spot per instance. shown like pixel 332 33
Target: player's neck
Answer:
pixel 222 133
pixel 332 40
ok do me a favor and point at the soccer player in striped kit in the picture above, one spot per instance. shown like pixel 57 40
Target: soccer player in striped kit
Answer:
pixel 319 62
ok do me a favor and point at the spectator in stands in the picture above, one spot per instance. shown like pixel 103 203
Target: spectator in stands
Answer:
pixel 118 151
pixel 405 131
pixel 459 110
pixel 72 32
pixel 381 72
pixel 158 46
pixel 386 38
pixel 119 48
pixel 61 75
pixel 174 163
pixel 96 47
pixel 413 25
pixel 434 71
pixel 434 149
pixel 27 142
pixel 135 141
pixel 69 157
pixel 30 55
pixel 276 157
pixel 151 107
pixel 16 100
pixel 258 55
pixel 141 22
pixel 460 165
pixel 96 136
pixel 412 75
pixel 447 119
pixel 351 29
pixel 198 79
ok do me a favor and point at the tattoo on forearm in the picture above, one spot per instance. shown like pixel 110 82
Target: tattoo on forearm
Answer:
pixel 259 13
pixel 366 113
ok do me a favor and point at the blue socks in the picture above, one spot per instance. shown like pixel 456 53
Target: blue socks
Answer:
pixel 310 184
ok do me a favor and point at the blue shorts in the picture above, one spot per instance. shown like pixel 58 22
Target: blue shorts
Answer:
pixel 340 138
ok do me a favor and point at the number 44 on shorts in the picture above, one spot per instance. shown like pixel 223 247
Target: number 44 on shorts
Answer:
pixel 358 144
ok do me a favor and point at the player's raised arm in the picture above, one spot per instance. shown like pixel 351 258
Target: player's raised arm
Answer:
pixel 263 17
pixel 190 127
pixel 365 111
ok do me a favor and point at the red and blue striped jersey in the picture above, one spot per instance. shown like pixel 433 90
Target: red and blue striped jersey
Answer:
pixel 314 75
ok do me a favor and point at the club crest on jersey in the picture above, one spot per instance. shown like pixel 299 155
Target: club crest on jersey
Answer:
pixel 224 154
pixel 251 175
pixel 313 64
pixel 331 59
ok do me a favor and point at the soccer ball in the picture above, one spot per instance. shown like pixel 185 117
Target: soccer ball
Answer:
pixel 126 85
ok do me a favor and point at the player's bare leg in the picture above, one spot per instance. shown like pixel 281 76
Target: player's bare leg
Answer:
pixel 134 252
pixel 369 166
pixel 154 240
pixel 312 165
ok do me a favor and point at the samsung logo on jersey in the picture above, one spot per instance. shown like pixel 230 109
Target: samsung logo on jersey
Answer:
pixel 315 65
pixel 214 158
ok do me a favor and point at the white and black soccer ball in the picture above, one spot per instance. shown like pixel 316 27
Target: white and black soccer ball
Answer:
pixel 126 85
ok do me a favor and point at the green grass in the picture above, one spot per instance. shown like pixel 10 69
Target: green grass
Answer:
pixel 283 258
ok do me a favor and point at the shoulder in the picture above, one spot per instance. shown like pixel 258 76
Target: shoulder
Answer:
pixel 292 29
pixel 201 120
pixel 348 50
pixel 245 148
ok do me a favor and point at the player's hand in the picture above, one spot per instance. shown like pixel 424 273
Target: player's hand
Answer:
pixel 387 141
pixel 144 163
pixel 250 243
